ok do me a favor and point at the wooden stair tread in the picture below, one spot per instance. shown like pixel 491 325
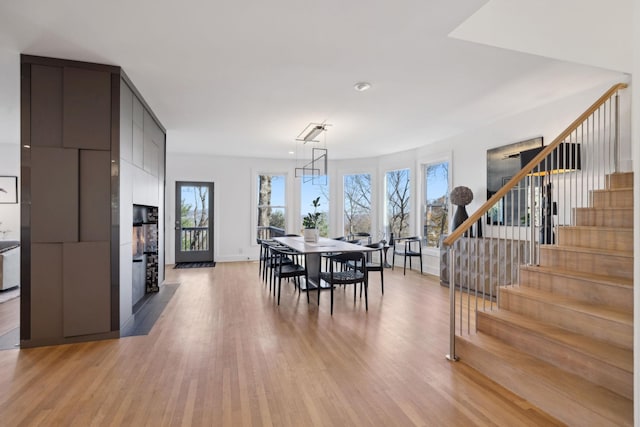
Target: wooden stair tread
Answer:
pixel 612 190
pixel 605 352
pixel 597 228
pixel 603 312
pixel 605 208
pixel 545 376
pixel 598 278
pixel 599 251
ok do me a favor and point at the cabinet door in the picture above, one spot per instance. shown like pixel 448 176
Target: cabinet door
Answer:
pixel 138 134
pixel 95 195
pixel 54 195
pixel 46 106
pixel 86 288
pixel 86 121
pixel 126 122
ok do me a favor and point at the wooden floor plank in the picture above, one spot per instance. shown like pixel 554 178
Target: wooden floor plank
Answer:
pixel 224 353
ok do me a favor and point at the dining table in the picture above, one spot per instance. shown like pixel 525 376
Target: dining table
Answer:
pixel 313 255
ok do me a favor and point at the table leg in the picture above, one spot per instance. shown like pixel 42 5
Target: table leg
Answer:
pixel 313 263
pixel 386 264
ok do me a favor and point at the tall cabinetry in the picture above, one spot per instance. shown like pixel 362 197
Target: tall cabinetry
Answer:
pixel 71 200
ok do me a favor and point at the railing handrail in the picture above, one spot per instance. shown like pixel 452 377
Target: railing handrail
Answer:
pixel 473 218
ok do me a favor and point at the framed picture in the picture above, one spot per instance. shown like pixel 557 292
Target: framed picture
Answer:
pixel 8 189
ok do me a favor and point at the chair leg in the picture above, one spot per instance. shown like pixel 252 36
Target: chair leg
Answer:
pixel 420 264
pixel 382 279
pixel 279 285
pixel 366 297
pixel 274 283
pixel 355 288
pixel 404 271
pixel 331 298
pixel 393 260
pixel 306 282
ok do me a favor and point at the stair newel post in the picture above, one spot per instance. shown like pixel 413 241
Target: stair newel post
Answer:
pixel 616 149
pixel 452 306
pixel 532 223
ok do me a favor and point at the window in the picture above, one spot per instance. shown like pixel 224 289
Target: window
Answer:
pixel 436 203
pixel 397 202
pixel 271 206
pixel 309 191
pixel 357 204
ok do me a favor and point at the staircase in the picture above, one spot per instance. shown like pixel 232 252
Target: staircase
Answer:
pixel 563 338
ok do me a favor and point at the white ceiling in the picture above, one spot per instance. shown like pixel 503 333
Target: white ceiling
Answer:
pixel 244 77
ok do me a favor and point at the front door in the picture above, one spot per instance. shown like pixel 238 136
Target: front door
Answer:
pixel 194 221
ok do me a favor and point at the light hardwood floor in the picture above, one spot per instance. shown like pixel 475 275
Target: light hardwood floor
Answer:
pixel 223 353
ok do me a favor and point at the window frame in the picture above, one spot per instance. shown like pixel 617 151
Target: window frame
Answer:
pixel 255 197
pixel 385 219
pixel 371 195
pixel 424 202
pixel 303 211
pixel 421 162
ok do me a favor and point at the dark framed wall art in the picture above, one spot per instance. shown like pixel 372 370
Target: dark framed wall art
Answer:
pixel 8 189
pixel 502 164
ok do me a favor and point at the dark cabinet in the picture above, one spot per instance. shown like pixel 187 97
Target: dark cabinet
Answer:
pixel 70 161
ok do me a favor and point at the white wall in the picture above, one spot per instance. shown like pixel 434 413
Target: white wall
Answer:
pixel 234 201
pixel 235 188
pixel 10 213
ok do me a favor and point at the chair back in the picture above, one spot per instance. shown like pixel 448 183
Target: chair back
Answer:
pixel 360 237
pixel 379 247
pixel 357 259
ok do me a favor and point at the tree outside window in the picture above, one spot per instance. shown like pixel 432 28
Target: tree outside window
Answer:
pixel 357 204
pixel 309 191
pixel 436 203
pixel 398 197
pixel 271 206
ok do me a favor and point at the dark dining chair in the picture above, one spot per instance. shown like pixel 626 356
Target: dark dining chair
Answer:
pixel 372 264
pixel 411 247
pixel 289 270
pixel 264 255
pixel 326 255
pixel 352 276
pixel 361 238
pixel 271 260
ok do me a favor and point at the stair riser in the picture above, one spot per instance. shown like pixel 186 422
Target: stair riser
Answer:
pixel 611 199
pixel 608 239
pixel 621 180
pixel 597 371
pixel 620 297
pixel 583 323
pixel 603 264
pixel 622 218
pixel 539 393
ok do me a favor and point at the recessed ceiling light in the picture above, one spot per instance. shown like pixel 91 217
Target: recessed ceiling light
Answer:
pixel 362 86
pixel 292 152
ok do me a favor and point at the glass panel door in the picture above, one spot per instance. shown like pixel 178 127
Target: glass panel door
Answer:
pixel 194 221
